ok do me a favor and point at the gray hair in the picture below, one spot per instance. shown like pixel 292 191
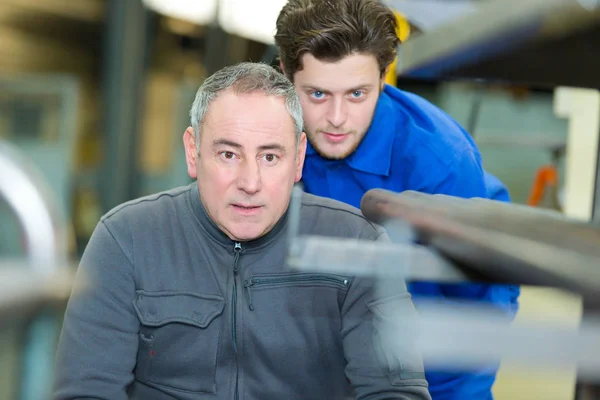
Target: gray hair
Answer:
pixel 246 77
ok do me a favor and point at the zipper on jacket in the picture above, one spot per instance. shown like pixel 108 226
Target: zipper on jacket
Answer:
pixel 279 280
pixel 247 286
pixel 237 248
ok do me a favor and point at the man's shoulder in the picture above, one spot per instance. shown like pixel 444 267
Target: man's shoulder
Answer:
pixel 330 206
pixel 147 207
pixel 325 216
pixel 425 131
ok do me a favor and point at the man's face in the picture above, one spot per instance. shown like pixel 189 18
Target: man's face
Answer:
pixel 338 101
pixel 247 164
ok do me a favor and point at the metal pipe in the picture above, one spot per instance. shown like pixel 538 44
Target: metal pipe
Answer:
pixel 341 256
pixel 497 240
pixel 23 292
pixel 458 336
pixel 29 198
pixel 367 258
pixel 514 219
pixel 45 236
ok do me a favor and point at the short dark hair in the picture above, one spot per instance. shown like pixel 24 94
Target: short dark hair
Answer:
pixel 333 29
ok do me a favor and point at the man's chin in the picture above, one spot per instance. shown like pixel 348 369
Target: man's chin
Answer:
pixel 246 233
pixel 331 151
pixel 335 153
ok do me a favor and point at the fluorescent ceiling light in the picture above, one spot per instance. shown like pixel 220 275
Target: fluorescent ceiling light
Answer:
pixel 255 19
pixel 251 19
pixel 201 12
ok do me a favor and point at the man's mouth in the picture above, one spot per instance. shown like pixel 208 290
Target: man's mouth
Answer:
pixel 245 206
pixel 334 137
pixel 246 209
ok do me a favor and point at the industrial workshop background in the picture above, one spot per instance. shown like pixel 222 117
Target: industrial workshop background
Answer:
pixel 95 95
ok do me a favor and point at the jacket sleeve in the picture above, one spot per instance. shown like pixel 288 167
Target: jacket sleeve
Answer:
pixel 98 344
pixel 382 361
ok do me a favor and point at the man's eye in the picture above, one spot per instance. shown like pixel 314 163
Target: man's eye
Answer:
pixel 357 94
pixel 317 94
pixel 227 154
pixel 270 158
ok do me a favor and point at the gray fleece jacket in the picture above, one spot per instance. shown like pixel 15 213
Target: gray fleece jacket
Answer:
pixel 174 309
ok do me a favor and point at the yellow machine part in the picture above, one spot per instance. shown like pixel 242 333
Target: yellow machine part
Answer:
pixel 403 32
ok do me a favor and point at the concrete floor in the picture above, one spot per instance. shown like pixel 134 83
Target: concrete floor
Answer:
pixel 517 383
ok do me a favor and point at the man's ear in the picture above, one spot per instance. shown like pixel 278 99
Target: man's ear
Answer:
pixel 191 154
pixel 300 157
pixel 383 76
pixel 281 67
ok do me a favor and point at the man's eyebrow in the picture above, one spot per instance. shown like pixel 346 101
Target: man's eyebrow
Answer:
pixel 367 86
pixel 356 87
pixel 272 146
pixel 308 87
pixel 268 146
pixel 225 142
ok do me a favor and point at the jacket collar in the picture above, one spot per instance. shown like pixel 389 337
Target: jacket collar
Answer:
pixel 208 225
pixel 374 153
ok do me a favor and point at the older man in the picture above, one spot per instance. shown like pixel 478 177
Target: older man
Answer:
pixel 189 294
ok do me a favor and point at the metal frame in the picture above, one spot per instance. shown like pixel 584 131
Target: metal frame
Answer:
pixel 66 90
pixel 27 194
pixel 24 292
pixel 125 62
pixel 585 391
pixel 510 41
pixel 462 238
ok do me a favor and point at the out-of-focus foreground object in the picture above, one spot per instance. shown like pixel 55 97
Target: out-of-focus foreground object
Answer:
pixel 35 290
pixel 536 42
pixel 448 239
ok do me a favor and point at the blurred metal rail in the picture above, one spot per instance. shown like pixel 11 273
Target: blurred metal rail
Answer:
pixel 32 291
pixel 500 241
pixel 460 337
pixel 27 194
pixel 24 292
pixel 446 239
pixel 510 41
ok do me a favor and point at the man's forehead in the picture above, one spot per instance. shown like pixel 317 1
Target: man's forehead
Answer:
pixel 350 72
pixel 249 132
pixel 232 107
pixel 255 130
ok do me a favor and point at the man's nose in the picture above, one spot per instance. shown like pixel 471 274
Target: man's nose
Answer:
pixel 337 113
pixel 249 177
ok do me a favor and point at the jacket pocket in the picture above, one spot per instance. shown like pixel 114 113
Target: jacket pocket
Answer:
pixel 179 339
pixel 296 280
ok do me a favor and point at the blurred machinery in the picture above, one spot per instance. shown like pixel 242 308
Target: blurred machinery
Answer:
pixel 474 240
pixel 35 289
pixel 38 116
pixel 537 42
pixel 547 43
